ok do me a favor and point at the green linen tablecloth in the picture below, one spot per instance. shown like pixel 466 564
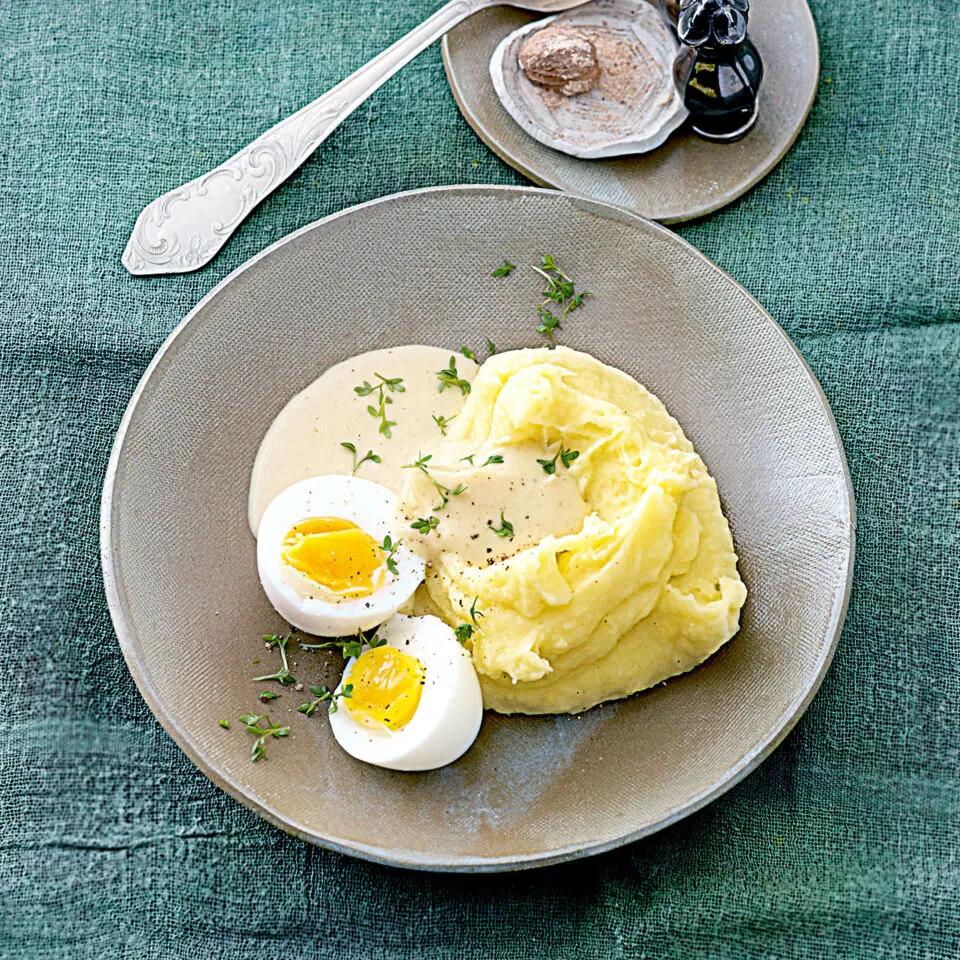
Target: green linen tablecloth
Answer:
pixel 843 844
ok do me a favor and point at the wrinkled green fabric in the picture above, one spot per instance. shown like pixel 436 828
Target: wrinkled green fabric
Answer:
pixel 843 844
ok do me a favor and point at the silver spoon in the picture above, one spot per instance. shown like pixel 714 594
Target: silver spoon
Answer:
pixel 185 228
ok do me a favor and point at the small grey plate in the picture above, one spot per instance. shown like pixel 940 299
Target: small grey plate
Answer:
pixel 180 570
pixel 686 177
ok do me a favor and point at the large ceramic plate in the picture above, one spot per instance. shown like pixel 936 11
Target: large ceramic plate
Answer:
pixel 179 562
pixel 685 178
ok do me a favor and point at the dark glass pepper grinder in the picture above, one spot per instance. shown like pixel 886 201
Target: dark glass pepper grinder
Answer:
pixel 718 70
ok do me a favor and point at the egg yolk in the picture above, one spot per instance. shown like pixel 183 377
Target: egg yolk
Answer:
pixel 386 688
pixel 336 554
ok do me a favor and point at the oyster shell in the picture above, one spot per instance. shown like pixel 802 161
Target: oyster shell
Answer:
pixel 635 105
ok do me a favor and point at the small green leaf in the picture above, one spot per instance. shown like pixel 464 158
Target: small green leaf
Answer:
pixel 558 289
pixel 379 410
pixel 549 322
pixel 443 422
pixel 420 463
pixel 425 524
pixel 565 456
pixel 283 676
pixel 450 377
pixel 263 729
pixel 348 646
pixel 474 612
pixel 504 530
pixel 390 548
pixel 369 456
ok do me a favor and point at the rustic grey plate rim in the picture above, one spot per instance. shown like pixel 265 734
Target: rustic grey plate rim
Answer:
pixel 413 859
pixel 490 139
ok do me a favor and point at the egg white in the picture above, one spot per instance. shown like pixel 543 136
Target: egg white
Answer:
pixel 448 716
pixel 308 606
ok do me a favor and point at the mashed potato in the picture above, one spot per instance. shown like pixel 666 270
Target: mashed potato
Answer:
pixel 644 589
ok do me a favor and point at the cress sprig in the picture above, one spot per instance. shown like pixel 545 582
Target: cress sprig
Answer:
pixel 263 729
pixel 425 524
pixel 560 291
pixel 465 631
pixel 471 354
pixel 283 676
pixel 390 547
pixel 443 422
pixel 358 463
pixel 564 455
pixel 474 612
pixel 348 646
pixel 445 492
pixel 493 458
pixel 322 694
pixel 383 389
pixel 505 529
pixel 450 377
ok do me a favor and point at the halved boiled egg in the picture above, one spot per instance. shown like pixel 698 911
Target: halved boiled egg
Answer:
pixel 329 556
pixel 412 703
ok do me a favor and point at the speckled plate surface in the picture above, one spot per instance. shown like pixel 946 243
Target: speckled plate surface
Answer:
pixel 686 177
pixel 179 564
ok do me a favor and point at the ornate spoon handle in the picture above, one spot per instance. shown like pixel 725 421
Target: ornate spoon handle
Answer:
pixel 185 228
